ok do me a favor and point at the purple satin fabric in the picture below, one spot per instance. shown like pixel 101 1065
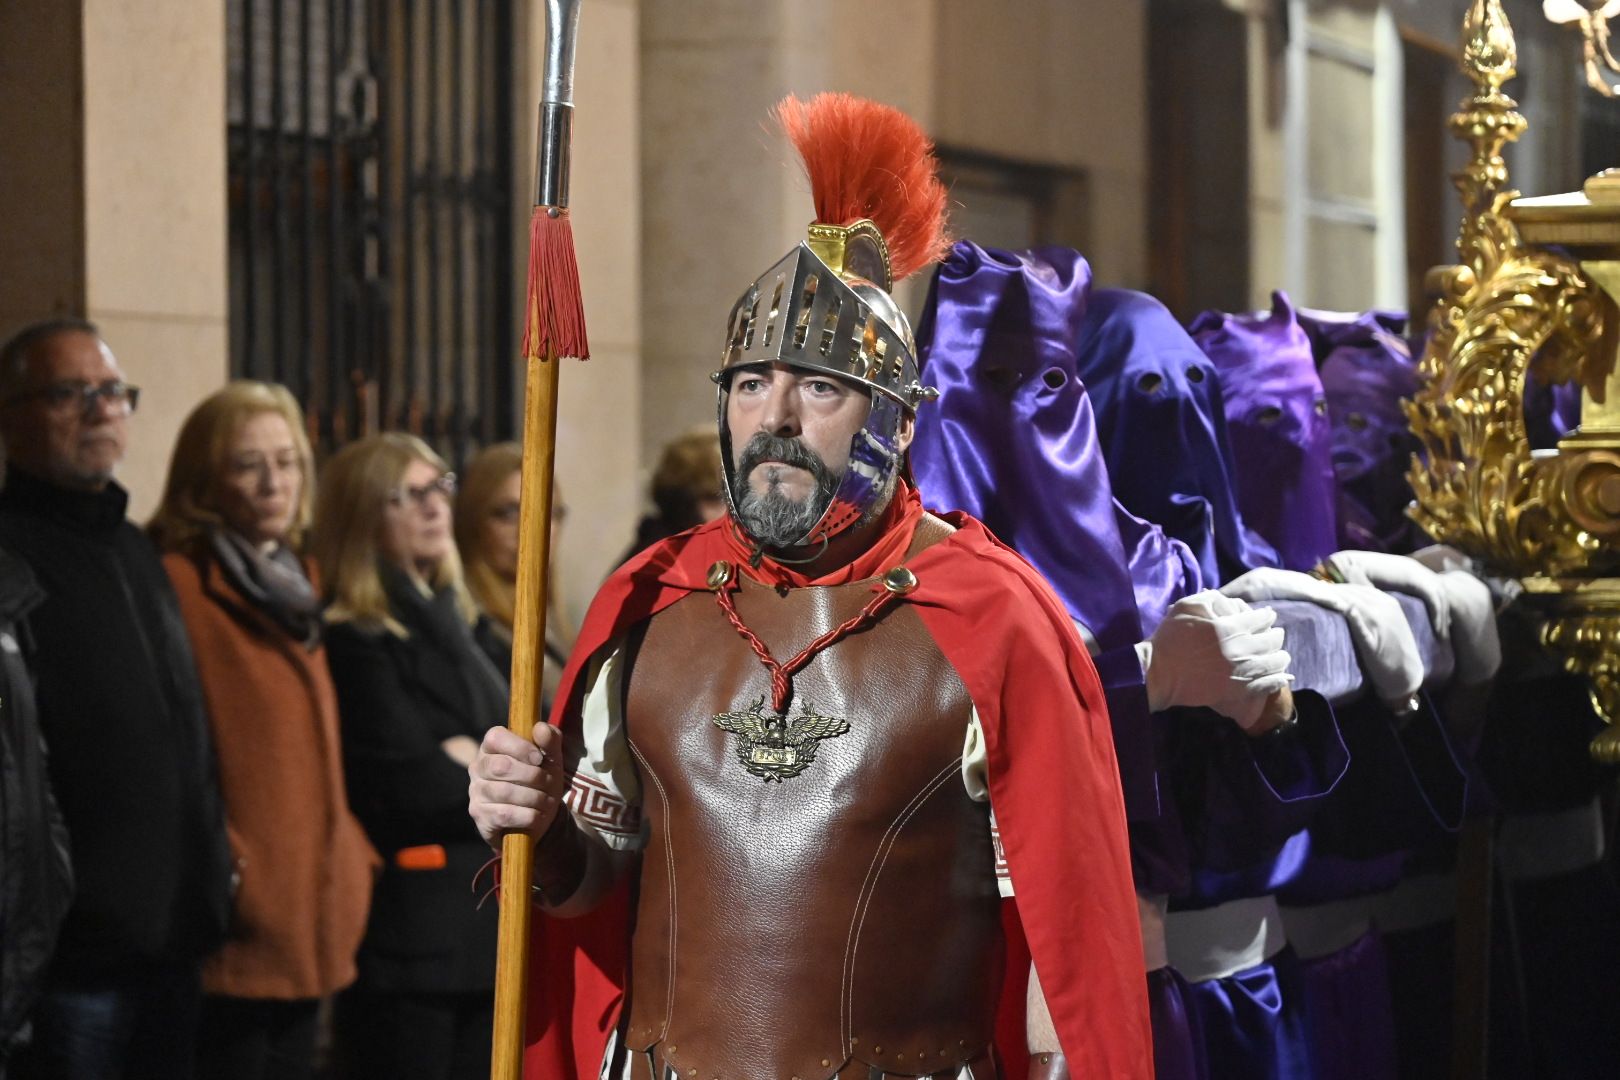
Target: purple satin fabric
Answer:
pixel 1367 368
pixel 1407 784
pixel 1162 568
pixel 1349 1021
pixel 1178 1051
pixel 1328 329
pixel 1551 413
pixel 1277 417
pixel 1253 1023
pixel 1246 803
pixel 1162 425
pixel 1012 439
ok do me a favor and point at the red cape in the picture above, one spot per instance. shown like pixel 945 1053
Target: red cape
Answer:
pixel 1053 782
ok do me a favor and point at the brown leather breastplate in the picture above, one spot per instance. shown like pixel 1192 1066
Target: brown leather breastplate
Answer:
pixel 844 921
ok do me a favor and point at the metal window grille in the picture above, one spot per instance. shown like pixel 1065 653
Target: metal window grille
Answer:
pixel 371 213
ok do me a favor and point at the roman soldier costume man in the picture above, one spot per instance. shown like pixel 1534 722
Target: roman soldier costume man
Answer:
pixel 831 784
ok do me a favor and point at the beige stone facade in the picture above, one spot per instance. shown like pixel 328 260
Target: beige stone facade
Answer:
pixel 113 195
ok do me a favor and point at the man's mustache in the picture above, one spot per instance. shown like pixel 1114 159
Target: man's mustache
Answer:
pixel 765 447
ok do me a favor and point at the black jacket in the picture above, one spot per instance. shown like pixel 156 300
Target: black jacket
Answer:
pixel 131 761
pixel 36 875
pixel 398 699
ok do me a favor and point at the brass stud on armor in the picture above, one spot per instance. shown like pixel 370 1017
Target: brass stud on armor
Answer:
pixel 899 581
pixel 877 1049
pixel 719 575
pixel 825 1062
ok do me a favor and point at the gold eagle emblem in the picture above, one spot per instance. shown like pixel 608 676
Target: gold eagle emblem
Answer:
pixel 773 748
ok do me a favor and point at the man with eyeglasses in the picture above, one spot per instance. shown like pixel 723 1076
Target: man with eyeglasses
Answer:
pixel 119 705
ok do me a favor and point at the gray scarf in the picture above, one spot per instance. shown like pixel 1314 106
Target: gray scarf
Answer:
pixel 276 584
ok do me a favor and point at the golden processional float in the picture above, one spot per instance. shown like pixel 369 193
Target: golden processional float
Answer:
pixel 1536 293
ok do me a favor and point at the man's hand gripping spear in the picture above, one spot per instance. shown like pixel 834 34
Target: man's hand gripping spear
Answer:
pixel 554 328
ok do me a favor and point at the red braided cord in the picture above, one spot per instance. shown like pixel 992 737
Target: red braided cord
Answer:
pixel 782 674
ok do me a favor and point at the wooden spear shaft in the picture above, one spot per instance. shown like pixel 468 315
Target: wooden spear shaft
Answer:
pixel 554 327
pixel 528 658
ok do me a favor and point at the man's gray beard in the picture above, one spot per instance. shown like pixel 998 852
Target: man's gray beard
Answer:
pixel 776 521
pixel 770 517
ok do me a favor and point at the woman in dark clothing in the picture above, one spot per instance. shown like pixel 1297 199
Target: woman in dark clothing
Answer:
pixel 416 695
pixel 487 536
pixel 234 510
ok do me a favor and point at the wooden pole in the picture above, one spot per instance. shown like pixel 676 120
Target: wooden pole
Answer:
pixel 528 657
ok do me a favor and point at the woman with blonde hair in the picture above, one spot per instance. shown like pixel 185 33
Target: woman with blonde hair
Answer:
pixel 234 510
pixel 416 694
pixel 487 533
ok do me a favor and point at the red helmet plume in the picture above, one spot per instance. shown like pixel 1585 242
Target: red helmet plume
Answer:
pixel 868 160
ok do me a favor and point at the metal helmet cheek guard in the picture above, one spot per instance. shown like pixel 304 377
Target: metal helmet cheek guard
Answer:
pixel 826 307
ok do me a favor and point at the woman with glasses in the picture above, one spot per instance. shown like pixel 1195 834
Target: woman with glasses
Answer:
pixel 487 534
pixel 416 695
pixel 234 511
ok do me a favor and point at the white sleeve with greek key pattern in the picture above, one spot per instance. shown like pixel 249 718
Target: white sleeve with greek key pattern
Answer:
pixel 605 795
pixel 976 778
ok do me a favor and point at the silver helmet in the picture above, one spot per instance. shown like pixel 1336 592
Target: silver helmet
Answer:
pixel 825 307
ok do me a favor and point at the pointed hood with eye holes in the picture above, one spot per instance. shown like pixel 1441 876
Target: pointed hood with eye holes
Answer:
pixel 826 306
pixel 1366 369
pixel 1162 423
pixel 1013 439
pixel 1282 441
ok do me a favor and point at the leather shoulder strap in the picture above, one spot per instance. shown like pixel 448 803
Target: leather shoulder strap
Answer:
pixel 930 531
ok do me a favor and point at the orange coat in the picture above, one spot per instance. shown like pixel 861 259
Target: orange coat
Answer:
pixel 306 866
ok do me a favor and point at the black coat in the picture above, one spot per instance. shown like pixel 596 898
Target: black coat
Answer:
pixel 131 760
pixel 36 874
pixel 398 699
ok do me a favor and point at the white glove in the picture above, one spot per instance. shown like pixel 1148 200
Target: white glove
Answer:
pixel 1384 642
pixel 1443 557
pixel 1216 652
pixel 1473 627
pixel 1397 573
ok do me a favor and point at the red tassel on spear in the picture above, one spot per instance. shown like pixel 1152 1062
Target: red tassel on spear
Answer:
pixel 554 327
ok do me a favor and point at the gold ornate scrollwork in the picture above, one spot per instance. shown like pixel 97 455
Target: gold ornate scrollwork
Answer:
pixel 1481 489
pixel 1511 309
pixel 1505 311
pixel 1589 642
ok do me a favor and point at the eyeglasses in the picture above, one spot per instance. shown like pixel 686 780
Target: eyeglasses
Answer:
pixel 445 485
pixel 62 397
pixel 508 513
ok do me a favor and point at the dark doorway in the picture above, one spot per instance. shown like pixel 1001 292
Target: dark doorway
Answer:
pixel 1433 209
pixel 1199 227
pixel 370 213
